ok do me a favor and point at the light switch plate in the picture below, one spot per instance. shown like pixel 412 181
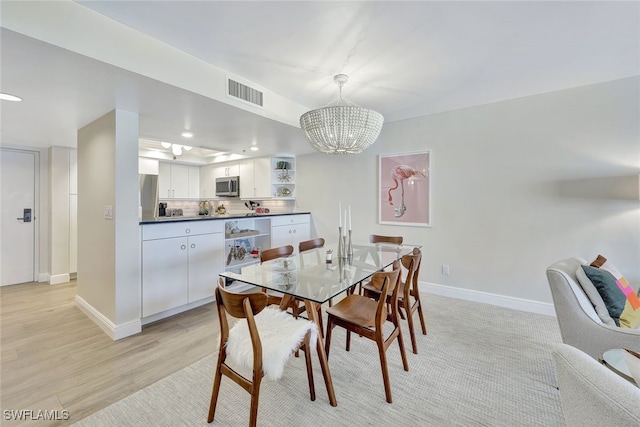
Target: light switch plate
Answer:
pixel 108 212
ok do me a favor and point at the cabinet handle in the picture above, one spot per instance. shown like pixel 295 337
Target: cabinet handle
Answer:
pixel 183 247
pixel 173 193
pixel 188 230
pixel 193 245
pixel 168 193
pixel 294 231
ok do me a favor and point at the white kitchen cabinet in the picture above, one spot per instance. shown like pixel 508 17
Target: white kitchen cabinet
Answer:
pixel 290 230
pixel 180 263
pixel 178 181
pixel 227 169
pixel 207 182
pixel 164 180
pixel 164 274
pixel 206 252
pixel 194 182
pixel 255 178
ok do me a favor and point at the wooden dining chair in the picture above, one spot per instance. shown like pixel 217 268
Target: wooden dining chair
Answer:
pixel 310 244
pixel 274 253
pixel 409 295
pixel 265 354
pixel 307 245
pixel 367 317
pixel 297 307
pixel 379 238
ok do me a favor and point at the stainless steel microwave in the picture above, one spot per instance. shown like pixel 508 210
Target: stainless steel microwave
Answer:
pixel 228 186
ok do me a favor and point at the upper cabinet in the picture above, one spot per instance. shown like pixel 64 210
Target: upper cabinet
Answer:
pixel 254 178
pixel 227 169
pixel 208 181
pixel 283 177
pixel 178 181
pixel 260 178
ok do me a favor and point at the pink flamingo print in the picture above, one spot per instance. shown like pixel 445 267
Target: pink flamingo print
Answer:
pixel 400 173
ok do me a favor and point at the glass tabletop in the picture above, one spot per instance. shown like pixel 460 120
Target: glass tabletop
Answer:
pixel 308 276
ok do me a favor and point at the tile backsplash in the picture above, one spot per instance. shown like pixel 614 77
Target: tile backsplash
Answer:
pixel 233 206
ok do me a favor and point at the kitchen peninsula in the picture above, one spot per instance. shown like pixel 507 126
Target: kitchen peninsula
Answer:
pixel 182 256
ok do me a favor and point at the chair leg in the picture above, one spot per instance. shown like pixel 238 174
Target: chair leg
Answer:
pixel 412 333
pixel 424 325
pixel 327 339
pixel 320 321
pixel 255 394
pixel 307 357
pixel 403 353
pixel 348 346
pixel 216 390
pixel 385 371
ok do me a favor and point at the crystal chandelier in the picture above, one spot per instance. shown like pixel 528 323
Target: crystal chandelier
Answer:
pixel 342 127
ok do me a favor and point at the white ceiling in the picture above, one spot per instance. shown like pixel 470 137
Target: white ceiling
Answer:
pixel 405 59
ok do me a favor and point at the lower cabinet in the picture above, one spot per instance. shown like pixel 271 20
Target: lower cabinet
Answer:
pixel 179 266
pixel 290 230
pixel 165 269
pixel 206 253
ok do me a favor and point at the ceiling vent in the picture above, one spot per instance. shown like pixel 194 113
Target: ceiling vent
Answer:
pixel 244 93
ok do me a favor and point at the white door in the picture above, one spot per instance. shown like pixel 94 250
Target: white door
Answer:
pixel 17 188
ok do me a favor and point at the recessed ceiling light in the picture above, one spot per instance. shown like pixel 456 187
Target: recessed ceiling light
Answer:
pixel 254 148
pixel 187 134
pixel 7 97
pixel 166 144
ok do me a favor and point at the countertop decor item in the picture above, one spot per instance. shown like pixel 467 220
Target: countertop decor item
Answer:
pixel 341 127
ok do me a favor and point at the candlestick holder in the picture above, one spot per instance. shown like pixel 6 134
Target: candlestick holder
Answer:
pixel 349 248
pixel 341 248
pixel 344 246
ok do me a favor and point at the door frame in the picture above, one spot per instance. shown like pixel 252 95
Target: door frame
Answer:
pixel 36 208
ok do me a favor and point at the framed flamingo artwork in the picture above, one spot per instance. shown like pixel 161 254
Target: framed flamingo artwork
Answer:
pixel 404 189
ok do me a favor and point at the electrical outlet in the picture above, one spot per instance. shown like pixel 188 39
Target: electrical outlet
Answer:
pixel 445 269
pixel 108 212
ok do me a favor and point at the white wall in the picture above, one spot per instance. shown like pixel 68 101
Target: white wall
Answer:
pixel 59 214
pixel 516 186
pixel 109 249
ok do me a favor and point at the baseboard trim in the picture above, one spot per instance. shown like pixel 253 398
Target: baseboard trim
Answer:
pixel 114 331
pixel 489 298
pixel 59 278
pixel 177 310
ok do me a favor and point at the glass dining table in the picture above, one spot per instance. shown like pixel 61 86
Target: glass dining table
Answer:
pixel 309 277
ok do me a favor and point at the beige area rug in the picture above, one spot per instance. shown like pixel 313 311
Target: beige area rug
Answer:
pixel 479 365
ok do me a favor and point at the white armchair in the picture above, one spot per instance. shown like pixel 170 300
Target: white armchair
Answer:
pixel 593 395
pixel 580 325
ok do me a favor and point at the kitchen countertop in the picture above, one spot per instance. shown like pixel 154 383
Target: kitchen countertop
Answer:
pixel 164 220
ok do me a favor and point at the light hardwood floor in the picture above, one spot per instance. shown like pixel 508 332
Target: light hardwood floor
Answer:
pixel 54 357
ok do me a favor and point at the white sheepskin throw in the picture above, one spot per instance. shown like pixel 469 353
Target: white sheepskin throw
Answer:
pixel 280 334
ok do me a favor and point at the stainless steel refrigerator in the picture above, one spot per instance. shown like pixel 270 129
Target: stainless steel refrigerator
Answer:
pixel 149 197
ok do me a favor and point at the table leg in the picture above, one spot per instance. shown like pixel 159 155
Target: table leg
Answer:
pixel 312 311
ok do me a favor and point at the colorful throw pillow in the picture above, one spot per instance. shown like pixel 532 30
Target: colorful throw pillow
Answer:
pixel 594 297
pixel 619 297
